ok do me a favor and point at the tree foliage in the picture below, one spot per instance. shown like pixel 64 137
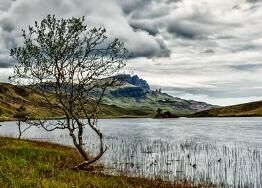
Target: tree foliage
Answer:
pixel 72 65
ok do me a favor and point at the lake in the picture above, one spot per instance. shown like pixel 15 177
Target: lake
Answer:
pixel 223 151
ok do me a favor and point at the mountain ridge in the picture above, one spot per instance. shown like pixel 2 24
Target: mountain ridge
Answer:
pixel 133 96
pixel 133 99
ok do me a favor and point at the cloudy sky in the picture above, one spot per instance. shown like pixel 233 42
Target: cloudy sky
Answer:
pixel 208 50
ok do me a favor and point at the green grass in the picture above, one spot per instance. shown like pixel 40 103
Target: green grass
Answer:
pixel 148 106
pixel 12 97
pixel 39 164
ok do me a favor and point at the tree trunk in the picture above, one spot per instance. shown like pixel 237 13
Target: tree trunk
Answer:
pixel 19 129
pixel 78 142
pixel 79 147
pixel 82 152
pixel 87 161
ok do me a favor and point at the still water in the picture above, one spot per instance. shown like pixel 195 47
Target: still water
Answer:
pixel 224 151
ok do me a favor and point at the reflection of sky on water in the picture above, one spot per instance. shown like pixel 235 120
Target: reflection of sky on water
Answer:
pixel 220 130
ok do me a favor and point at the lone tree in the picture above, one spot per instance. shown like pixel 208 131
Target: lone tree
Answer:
pixel 22 116
pixel 72 65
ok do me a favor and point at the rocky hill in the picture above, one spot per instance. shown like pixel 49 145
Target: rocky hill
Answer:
pixel 12 97
pixel 136 94
pixel 133 99
pixel 136 81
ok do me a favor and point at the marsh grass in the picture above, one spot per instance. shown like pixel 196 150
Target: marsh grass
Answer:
pixel 194 160
pixel 39 164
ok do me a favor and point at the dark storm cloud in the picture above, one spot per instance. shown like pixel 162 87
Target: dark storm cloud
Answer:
pixel 145 8
pixel 162 52
pixel 139 39
pixel 165 52
pixel 209 51
pixel 226 37
pixel 244 47
pixel 254 1
pixel 149 12
pixel 186 31
pixel 8 39
pixel 6 61
pixel 229 90
pixel 247 67
pixel 151 29
pixel 7 25
pixel 174 1
pixel 210 48
pixel 130 6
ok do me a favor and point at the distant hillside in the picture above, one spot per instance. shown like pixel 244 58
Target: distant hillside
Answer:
pixel 136 94
pixel 247 109
pixel 12 97
pixel 133 99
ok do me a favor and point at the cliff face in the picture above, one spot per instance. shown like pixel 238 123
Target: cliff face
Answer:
pixel 134 87
pixel 136 94
pixel 136 81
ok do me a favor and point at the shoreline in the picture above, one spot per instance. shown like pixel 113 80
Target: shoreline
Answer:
pixel 30 168
pixel 143 117
pixel 57 118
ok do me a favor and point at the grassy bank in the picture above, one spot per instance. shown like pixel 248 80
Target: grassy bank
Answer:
pixel 12 97
pixel 38 164
pixel 252 109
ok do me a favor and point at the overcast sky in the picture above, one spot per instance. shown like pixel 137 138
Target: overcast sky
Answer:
pixel 208 50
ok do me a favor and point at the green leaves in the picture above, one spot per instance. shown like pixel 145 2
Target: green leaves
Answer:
pixel 72 56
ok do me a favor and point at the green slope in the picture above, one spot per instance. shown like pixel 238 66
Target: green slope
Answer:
pixel 127 101
pixel 149 101
pixel 247 109
pixel 12 97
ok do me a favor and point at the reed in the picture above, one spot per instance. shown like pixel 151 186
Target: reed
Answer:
pixel 192 160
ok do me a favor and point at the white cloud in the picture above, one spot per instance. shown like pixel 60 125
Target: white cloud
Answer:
pixel 214 46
